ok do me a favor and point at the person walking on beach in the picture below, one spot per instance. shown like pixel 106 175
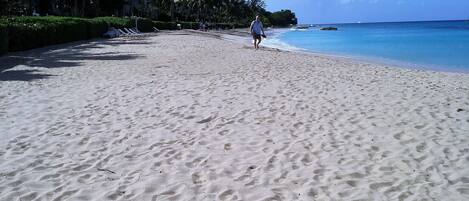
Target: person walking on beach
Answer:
pixel 257 32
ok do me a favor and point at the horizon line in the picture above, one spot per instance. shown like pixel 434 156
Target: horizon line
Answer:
pixel 403 21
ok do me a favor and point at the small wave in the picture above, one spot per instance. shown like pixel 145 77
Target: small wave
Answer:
pixel 279 44
pixel 295 29
pixel 273 41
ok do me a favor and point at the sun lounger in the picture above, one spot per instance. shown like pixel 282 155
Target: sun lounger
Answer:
pixel 128 32
pixel 131 32
pixel 122 32
pixel 135 30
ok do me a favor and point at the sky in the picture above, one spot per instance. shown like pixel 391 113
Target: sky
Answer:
pixel 351 11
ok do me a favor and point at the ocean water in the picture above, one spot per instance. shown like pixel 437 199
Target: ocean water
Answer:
pixel 438 45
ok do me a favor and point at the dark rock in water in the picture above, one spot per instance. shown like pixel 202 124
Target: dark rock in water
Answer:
pixel 460 110
pixel 329 29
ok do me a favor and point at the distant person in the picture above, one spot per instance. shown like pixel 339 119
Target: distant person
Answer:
pixel 257 32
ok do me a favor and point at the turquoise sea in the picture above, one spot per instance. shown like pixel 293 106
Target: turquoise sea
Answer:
pixel 436 45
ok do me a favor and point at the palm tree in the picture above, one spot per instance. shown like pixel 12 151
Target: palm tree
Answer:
pixel 167 5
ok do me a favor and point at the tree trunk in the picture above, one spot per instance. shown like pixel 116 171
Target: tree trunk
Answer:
pixel 75 8
pixel 199 10
pixel 171 10
pixel 83 5
pixel 97 11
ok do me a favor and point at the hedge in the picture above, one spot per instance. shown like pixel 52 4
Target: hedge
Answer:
pixel 96 28
pixel 33 32
pixel 116 22
pixel 189 25
pixel 165 25
pixel 145 25
pixel 23 33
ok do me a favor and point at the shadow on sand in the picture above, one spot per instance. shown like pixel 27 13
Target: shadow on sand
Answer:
pixel 61 56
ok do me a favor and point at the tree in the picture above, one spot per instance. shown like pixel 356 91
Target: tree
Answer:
pixel 283 18
pixel 44 7
pixel 233 11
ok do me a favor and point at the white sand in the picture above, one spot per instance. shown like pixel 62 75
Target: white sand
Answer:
pixel 187 117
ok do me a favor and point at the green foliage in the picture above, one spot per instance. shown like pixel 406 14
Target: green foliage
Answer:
pixel 266 21
pixel 283 18
pixel 212 11
pixel 96 28
pixel 23 33
pixel 116 22
pixel 165 25
pixel 223 25
pixel 189 25
pixel 242 25
pixel 145 25
pixel 32 32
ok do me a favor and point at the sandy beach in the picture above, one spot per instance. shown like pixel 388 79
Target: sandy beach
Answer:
pixel 187 116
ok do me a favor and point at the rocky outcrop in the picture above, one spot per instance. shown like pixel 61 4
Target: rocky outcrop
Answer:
pixel 329 29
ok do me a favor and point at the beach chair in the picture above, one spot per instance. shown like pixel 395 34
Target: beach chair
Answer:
pixel 136 30
pixel 131 32
pixel 121 32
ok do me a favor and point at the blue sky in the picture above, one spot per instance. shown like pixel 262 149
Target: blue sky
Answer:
pixel 337 11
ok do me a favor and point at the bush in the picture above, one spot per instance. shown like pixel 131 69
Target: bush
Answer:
pixel 32 32
pixel 27 36
pixel 116 22
pixel 189 25
pixel 23 33
pixel 145 25
pixel 165 25
pixel 222 25
pixel 96 28
pixel 3 38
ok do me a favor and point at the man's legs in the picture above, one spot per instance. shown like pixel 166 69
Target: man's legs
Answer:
pixel 257 45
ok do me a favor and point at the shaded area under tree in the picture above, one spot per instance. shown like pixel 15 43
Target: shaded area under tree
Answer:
pixel 60 56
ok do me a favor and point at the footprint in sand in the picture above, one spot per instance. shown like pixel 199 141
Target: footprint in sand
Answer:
pixel 420 126
pixel 376 186
pixel 270 163
pixel 226 195
pixel 196 178
pixel 306 160
pixel 421 147
pixel 398 136
pixel 227 147
pixel 352 183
